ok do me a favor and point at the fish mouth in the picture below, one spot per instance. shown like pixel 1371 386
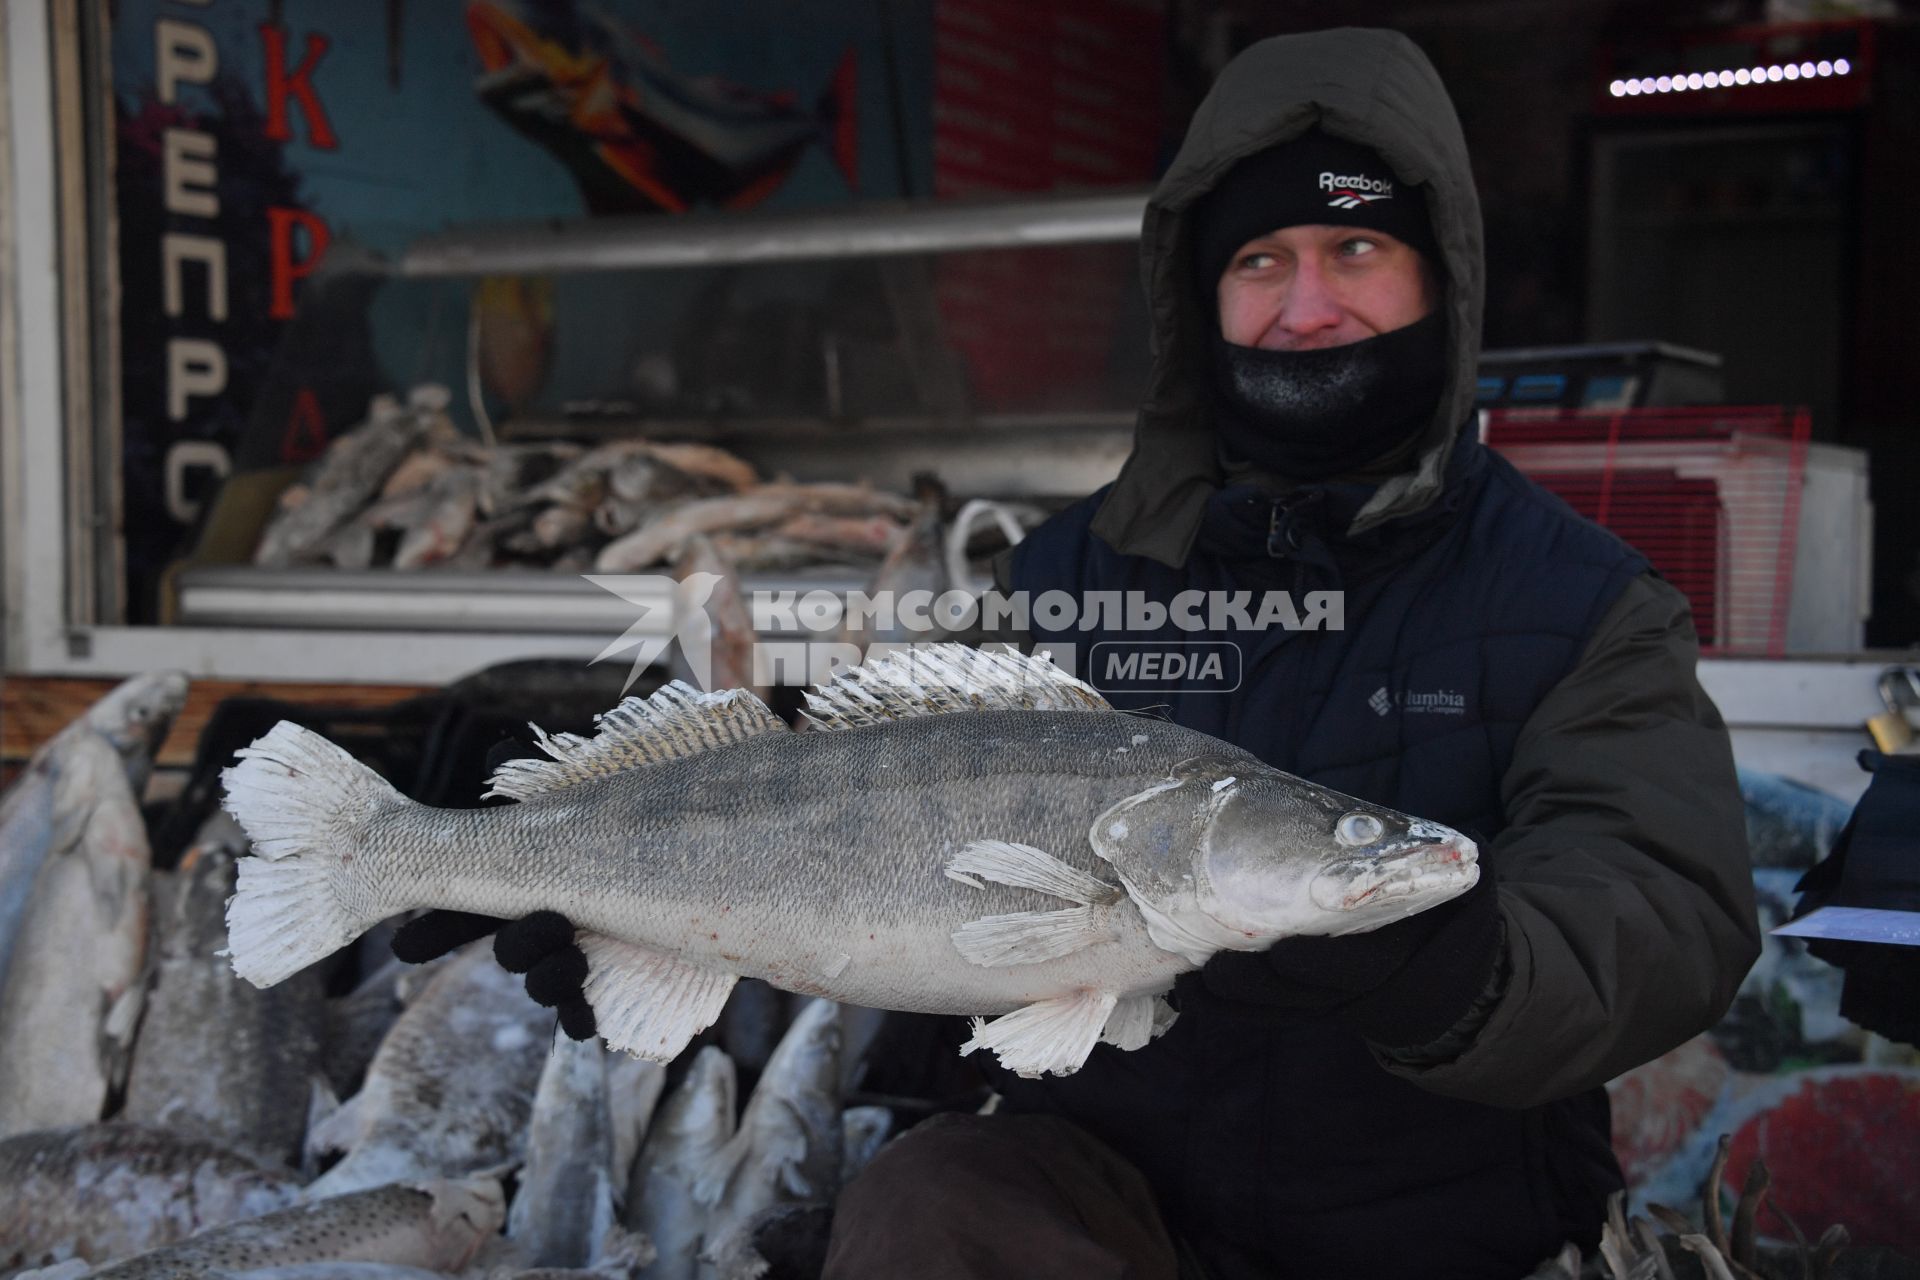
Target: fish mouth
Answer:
pixel 1409 870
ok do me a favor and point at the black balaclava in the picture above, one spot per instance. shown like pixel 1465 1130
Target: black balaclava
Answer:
pixel 1311 415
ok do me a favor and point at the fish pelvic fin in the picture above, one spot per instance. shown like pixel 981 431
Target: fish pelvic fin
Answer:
pixel 676 721
pixel 1047 1036
pixel 304 803
pixel 646 1003
pixel 932 679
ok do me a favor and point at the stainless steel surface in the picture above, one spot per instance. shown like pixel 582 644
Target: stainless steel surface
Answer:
pixel 714 239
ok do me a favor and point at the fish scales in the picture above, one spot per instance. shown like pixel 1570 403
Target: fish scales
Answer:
pixel 450 1089
pixel 105 1191
pixel 251 1095
pixel 739 859
pixel 437 1226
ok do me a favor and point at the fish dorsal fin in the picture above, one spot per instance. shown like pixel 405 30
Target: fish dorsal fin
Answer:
pixel 933 679
pixel 676 721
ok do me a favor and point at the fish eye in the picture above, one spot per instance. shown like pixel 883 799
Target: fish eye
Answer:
pixel 1357 829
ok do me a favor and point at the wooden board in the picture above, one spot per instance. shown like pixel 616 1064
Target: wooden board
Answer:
pixel 34 708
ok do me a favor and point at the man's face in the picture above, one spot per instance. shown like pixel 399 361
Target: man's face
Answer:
pixel 1307 287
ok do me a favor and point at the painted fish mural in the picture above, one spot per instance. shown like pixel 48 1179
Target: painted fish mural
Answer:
pixel 639 135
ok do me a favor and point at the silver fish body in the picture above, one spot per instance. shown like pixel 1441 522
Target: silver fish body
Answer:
pixel 73 989
pixel 566 1198
pixel 451 1088
pixel 787 1150
pixel 48 804
pixel 692 842
pixel 694 1124
pixel 436 1226
pixel 250 1094
pixel 106 1191
pixel 634 1086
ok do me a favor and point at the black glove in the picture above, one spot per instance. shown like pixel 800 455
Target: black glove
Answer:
pixel 1400 985
pixel 539 945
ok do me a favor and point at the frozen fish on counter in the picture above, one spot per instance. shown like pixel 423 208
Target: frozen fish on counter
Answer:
pixel 71 998
pixel 346 479
pixel 436 1225
pixel 451 1088
pixel 250 1092
pixel 995 840
pixel 694 1124
pixel 787 1149
pixel 105 1191
pixel 49 806
pixel 769 504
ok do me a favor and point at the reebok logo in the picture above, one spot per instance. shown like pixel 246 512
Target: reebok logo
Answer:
pixel 1351 190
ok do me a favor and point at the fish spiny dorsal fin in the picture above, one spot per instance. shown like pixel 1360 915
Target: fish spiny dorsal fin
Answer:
pixel 676 721
pixel 933 679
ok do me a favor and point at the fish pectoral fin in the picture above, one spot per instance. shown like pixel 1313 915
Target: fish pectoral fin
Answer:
pixel 1030 937
pixel 1137 1019
pixel 1046 1036
pixel 647 1003
pixel 1025 867
pixel 676 721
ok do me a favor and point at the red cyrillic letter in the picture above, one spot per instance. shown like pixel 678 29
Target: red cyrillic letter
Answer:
pixel 281 220
pixel 281 85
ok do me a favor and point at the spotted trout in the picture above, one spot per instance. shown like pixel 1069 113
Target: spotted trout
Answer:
pixel 971 832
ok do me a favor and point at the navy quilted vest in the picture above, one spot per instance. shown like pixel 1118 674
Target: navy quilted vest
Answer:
pixel 1278 1146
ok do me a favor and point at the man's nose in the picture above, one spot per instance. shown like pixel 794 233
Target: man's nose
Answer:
pixel 1310 305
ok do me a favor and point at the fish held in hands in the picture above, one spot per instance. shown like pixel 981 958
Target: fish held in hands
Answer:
pixel 998 840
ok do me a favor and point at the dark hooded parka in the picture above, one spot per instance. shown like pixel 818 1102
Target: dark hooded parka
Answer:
pixel 1572 739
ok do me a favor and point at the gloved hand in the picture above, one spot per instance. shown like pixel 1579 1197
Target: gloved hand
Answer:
pixel 539 945
pixel 1400 985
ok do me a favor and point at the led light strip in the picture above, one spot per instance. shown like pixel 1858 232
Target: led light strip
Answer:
pixel 1728 79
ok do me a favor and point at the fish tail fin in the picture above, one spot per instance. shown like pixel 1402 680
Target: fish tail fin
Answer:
pixel 304 803
pixel 837 110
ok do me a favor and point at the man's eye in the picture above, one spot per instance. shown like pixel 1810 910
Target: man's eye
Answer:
pixel 1355 247
pixel 1256 262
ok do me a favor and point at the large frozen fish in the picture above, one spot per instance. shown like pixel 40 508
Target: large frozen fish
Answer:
pixel 105 1191
pixel 972 833
pixel 216 1056
pixel 694 1124
pixel 788 1147
pixel 565 1203
pixel 72 993
pixel 436 1226
pixel 451 1088
pixel 49 804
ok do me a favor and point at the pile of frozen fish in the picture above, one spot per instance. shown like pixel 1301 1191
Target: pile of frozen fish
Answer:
pixel 159 1117
pixel 405 490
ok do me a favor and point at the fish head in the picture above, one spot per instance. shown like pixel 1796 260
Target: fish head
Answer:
pixel 136 715
pixel 1229 854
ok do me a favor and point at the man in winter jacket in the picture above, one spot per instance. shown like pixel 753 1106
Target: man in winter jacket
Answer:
pixel 1422 1100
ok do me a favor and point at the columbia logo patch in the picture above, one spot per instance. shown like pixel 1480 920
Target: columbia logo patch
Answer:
pixel 1381 701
